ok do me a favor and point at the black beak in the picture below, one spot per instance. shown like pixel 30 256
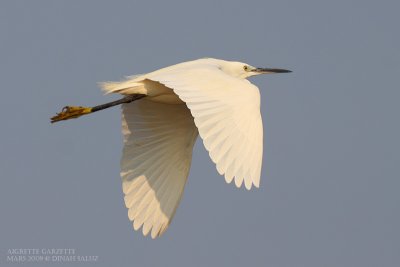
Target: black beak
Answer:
pixel 269 70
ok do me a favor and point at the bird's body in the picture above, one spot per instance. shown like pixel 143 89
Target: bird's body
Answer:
pixel 206 97
pixel 148 85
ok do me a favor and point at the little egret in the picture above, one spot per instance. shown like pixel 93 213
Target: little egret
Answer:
pixel 210 97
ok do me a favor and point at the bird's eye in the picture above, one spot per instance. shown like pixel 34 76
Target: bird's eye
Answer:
pixel 245 67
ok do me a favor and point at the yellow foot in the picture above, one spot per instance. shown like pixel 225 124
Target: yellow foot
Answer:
pixel 70 112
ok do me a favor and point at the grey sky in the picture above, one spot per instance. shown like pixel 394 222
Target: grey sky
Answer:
pixel 330 183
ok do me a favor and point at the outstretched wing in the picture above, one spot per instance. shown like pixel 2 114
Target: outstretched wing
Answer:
pixel 226 111
pixel 158 143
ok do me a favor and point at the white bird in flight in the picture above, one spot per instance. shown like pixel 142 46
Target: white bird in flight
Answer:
pixel 207 97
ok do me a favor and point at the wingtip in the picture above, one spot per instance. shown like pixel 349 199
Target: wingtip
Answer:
pixel 238 181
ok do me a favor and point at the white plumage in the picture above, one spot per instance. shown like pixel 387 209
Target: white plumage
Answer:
pixel 158 142
pixel 209 97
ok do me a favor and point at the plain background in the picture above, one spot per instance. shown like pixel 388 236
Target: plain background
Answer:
pixel 330 184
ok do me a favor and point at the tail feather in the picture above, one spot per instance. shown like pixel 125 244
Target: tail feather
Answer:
pixel 129 86
pixel 109 87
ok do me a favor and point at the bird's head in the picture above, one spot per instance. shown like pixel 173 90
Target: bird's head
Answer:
pixel 244 70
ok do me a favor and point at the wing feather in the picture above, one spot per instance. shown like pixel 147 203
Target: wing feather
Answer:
pixel 226 111
pixel 158 142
